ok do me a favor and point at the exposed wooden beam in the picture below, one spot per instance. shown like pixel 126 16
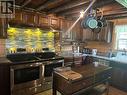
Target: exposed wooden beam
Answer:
pixel 82 7
pixel 69 5
pixel 45 4
pixel 101 3
pixel 115 11
pixel 72 11
pixel 25 3
pixel 115 16
pixel 108 17
pixel 51 3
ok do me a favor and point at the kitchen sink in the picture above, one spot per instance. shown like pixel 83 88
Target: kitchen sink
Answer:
pixel 109 55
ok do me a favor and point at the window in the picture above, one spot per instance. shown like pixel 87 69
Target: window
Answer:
pixel 121 38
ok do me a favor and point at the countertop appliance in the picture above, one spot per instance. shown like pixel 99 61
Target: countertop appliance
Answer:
pixel 32 73
pixel 87 51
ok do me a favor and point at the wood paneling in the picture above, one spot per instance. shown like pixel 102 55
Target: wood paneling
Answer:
pixel 43 20
pixel 4 79
pixel 3 27
pixel 18 17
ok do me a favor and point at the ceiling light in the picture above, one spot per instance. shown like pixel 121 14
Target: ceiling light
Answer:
pixel 81 14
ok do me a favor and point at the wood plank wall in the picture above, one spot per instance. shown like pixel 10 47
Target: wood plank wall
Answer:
pixel 2 47
pixel 104 47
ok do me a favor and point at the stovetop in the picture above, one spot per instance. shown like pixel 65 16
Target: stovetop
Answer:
pixel 32 57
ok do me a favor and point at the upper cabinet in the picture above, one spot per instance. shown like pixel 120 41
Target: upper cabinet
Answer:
pixel 35 19
pixel 18 17
pixel 30 18
pixel 54 22
pixel 43 20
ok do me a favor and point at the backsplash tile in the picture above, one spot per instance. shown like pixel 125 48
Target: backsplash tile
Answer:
pixel 33 40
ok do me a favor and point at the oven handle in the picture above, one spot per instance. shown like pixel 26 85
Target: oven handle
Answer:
pixel 56 61
pixel 43 70
pixel 12 78
pixel 26 65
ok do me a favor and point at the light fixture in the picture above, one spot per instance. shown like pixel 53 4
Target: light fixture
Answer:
pixel 81 14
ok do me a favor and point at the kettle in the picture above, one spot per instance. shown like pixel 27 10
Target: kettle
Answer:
pixel 94 51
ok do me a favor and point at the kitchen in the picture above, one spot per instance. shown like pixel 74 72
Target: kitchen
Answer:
pixel 64 47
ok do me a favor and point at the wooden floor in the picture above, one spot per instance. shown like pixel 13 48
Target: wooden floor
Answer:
pixel 113 91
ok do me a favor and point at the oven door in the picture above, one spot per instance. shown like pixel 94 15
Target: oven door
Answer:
pixel 28 75
pixel 49 66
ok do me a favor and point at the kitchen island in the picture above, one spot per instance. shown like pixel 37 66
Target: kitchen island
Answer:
pixel 119 69
pixel 78 79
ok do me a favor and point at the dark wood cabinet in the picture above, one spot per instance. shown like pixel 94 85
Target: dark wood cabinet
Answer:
pixel 18 17
pixel 30 18
pixel 119 73
pixel 4 79
pixel 35 19
pixel 54 22
pixel 91 76
pixel 43 21
pixel 119 78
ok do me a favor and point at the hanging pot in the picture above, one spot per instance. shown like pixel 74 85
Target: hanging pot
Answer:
pixel 89 22
pixel 101 23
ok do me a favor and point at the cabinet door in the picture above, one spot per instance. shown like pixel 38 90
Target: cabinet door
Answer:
pixel 29 18
pixel 3 28
pixel 124 79
pixel 117 77
pixel 43 20
pixel 18 17
pixel 54 22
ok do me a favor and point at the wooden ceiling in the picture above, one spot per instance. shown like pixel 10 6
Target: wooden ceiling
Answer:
pixel 71 8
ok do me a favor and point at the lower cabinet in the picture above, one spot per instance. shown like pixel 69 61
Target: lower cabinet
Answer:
pixel 119 78
pixel 118 73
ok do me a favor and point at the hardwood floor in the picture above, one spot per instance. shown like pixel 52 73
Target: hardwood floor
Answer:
pixel 112 91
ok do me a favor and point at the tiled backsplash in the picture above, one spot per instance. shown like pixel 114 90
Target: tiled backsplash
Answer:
pixel 33 40
pixel 2 47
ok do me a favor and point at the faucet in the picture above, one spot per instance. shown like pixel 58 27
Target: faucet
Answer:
pixel 124 52
pixel 110 53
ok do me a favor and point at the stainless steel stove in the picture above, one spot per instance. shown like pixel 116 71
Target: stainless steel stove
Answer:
pixel 32 73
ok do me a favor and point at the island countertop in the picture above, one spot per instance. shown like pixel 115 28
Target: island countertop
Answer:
pixel 79 77
pixel 121 59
